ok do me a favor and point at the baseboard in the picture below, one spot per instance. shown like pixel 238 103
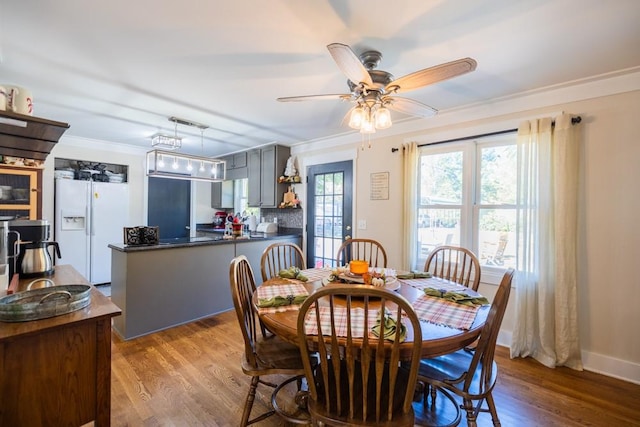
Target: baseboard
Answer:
pixel 594 362
pixel 611 367
pixel 504 338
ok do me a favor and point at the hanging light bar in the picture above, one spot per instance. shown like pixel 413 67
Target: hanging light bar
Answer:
pixel 180 166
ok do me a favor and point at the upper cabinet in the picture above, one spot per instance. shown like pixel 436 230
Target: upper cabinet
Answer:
pixel 236 166
pixel 20 192
pixel 264 166
pixel 222 194
pixel 27 136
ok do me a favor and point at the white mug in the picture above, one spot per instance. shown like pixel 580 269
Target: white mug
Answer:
pixel 20 100
pixel 3 98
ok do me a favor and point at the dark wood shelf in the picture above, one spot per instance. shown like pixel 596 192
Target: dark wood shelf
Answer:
pixel 27 136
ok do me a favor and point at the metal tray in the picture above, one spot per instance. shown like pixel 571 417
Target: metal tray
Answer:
pixel 44 303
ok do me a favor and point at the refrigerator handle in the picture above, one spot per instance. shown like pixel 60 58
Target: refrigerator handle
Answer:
pixel 89 214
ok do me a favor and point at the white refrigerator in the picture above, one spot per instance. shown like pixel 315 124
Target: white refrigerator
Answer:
pixel 88 217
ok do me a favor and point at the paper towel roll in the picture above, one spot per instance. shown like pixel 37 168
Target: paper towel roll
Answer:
pixel 253 223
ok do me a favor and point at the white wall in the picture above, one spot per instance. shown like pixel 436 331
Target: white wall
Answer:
pixel 609 238
pixel 202 203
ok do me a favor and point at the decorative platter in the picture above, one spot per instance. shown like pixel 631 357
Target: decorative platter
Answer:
pixel 391 282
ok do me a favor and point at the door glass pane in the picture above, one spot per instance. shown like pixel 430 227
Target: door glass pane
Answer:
pixel 328 218
pixel 320 185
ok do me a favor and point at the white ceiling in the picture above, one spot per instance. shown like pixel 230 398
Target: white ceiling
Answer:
pixel 116 70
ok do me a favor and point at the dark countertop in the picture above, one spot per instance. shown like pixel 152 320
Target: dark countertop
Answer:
pixel 216 238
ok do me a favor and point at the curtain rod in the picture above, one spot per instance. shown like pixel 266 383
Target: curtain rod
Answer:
pixel 574 120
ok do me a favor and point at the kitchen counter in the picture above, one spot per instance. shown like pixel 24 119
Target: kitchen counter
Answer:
pixel 209 236
pixel 57 371
pixel 179 281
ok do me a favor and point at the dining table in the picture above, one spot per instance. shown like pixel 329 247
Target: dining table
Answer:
pixel 446 326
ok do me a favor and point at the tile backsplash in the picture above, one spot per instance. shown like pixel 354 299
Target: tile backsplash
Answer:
pixel 287 218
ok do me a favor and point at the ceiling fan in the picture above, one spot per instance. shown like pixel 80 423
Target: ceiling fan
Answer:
pixel 374 91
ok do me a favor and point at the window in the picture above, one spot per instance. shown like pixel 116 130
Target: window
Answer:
pixel 467 197
pixel 241 199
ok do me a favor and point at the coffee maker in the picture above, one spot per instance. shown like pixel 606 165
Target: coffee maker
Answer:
pixel 31 248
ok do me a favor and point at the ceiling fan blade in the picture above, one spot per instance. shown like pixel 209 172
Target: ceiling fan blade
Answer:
pixel 338 96
pixel 408 106
pixel 350 64
pixel 431 75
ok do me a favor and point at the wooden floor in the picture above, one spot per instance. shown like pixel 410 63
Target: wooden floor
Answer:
pixel 190 376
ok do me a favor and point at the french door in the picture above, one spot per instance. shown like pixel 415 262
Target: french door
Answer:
pixel 329 216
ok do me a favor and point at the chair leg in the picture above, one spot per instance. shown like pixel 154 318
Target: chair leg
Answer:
pixel 471 413
pixel 492 410
pixel 248 404
pixel 434 393
pixel 420 391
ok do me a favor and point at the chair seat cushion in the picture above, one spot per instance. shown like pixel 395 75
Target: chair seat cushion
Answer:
pixel 319 411
pixel 451 367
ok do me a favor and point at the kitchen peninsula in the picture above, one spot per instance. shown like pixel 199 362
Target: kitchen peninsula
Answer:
pixel 180 280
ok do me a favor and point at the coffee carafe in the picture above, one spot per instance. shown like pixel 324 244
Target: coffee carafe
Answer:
pixel 32 258
pixel 35 259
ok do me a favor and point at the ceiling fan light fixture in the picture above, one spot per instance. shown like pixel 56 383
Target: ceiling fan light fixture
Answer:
pixel 383 118
pixel 374 91
pixel 368 125
pixel 356 118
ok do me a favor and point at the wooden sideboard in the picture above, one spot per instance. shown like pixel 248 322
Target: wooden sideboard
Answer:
pixel 57 371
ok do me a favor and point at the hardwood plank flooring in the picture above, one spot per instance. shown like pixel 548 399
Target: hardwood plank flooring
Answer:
pixel 190 376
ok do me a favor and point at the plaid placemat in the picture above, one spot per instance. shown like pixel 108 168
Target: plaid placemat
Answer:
pixel 440 312
pixel 316 274
pixel 340 316
pixel 283 290
pixel 433 282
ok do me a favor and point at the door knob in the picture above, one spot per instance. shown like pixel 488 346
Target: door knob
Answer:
pixel 348 227
pixel 347 237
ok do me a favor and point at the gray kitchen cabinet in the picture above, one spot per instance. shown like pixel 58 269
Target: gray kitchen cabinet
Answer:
pixel 264 166
pixel 236 165
pixel 222 194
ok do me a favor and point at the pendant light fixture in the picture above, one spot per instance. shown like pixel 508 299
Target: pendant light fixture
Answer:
pixel 174 165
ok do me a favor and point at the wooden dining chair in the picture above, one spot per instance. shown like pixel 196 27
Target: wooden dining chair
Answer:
pixel 363 249
pixel 358 380
pixel 264 354
pixel 471 374
pixel 280 256
pixel 456 264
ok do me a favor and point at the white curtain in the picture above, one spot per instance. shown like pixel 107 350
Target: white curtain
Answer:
pixel 410 187
pixel 546 282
